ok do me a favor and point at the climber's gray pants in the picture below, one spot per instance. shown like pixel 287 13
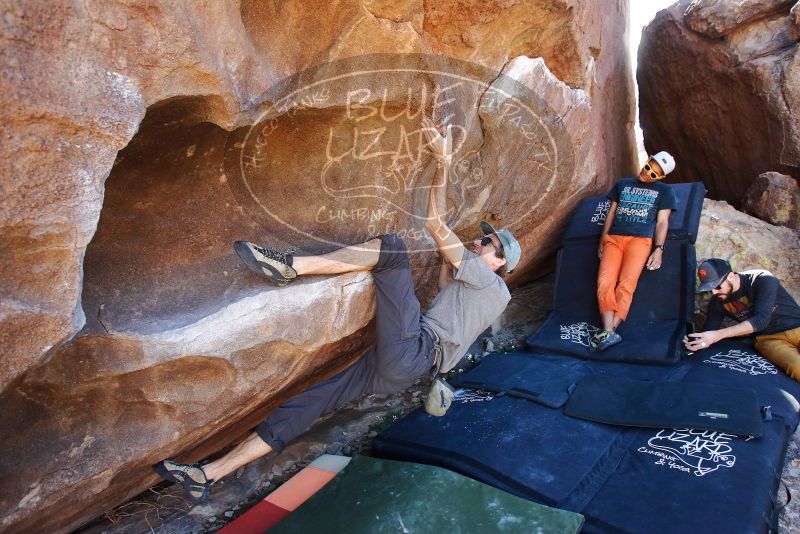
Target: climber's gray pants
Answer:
pixel 402 353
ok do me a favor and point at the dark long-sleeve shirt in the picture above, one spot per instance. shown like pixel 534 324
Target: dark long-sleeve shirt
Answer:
pixel 762 300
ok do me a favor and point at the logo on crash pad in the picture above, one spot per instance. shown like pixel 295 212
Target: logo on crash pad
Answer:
pixel 467 396
pixel 578 333
pixel 743 362
pixel 600 212
pixel 694 452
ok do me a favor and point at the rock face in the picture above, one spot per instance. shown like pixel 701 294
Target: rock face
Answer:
pixel 775 198
pixel 749 243
pixel 90 423
pixel 719 86
pixel 717 18
pixel 140 140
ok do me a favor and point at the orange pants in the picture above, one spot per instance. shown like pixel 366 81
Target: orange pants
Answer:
pixel 783 350
pixel 623 259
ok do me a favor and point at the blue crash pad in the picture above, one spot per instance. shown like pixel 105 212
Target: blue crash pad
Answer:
pixel 621 479
pixel 699 481
pixel 662 304
pixel 659 404
pixel 546 381
pixel 587 221
pixel 513 443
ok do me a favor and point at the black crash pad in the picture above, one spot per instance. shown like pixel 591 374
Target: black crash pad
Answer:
pixel 686 480
pixel 640 403
pixel 623 479
pixel 512 443
pixel 586 223
pixel 690 480
pixel 539 380
pixel 662 304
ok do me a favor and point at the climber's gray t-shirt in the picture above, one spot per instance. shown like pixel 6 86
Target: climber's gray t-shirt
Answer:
pixel 465 308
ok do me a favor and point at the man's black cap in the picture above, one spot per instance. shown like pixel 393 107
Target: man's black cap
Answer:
pixel 711 273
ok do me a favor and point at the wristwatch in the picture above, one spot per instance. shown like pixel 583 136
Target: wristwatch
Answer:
pixel 659 246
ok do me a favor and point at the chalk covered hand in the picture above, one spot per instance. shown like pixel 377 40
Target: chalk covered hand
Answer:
pixel 441 146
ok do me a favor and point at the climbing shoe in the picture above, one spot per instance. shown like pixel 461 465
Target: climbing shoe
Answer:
pixel 439 398
pixel 190 476
pixel 275 265
pixel 604 339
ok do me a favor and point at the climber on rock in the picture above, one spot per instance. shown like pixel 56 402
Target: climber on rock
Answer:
pixel 760 305
pixel 640 209
pixel 409 344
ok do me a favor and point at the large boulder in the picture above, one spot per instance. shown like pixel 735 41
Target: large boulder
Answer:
pixel 140 141
pixel 717 18
pixel 82 432
pixel 775 198
pixel 719 86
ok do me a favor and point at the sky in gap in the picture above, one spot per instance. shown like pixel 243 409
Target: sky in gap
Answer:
pixel 641 13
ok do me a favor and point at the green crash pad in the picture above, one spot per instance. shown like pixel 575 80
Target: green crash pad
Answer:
pixel 376 496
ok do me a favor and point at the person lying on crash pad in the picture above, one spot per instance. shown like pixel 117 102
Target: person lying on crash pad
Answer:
pixel 640 209
pixel 760 305
pixel 409 346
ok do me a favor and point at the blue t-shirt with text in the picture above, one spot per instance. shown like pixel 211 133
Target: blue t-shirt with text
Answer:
pixel 638 204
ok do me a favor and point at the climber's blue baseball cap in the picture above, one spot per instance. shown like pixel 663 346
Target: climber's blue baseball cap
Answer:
pixel 511 248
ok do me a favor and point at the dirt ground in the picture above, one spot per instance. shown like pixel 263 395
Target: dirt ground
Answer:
pixel 164 510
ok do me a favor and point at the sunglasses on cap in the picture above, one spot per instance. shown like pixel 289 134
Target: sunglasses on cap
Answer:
pixel 651 173
pixel 486 241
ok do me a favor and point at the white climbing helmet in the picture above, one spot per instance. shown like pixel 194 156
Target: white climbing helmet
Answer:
pixel 666 161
